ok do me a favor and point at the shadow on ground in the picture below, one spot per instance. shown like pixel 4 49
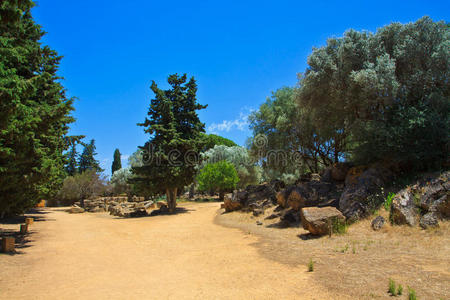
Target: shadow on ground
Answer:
pixel 22 241
pixel 158 212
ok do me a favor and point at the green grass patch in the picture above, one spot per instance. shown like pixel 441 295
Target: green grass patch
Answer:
pixel 310 265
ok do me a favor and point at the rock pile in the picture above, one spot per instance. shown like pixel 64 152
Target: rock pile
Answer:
pixel 255 198
pixel 320 220
pixel 130 209
pixel 116 206
pixel 426 202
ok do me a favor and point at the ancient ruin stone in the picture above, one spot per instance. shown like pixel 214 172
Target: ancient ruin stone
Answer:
pixel 318 220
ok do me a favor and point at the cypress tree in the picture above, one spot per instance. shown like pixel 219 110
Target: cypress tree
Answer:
pixel 72 163
pixel 175 131
pixel 34 112
pixel 87 158
pixel 117 163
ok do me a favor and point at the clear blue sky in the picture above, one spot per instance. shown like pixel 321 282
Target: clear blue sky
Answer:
pixel 239 51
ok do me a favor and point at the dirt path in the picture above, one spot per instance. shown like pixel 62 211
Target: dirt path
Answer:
pixel 185 256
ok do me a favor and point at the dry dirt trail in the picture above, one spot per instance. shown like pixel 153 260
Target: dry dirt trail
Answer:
pixel 183 256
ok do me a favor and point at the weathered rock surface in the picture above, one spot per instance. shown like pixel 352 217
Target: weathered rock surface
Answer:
pixel 429 220
pixel 231 203
pixel 318 220
pixel 254 197
pixel 403 209
pixel 378 223
pixel 307 194
pixel 75 210
pixel 339 171
pixel 354 202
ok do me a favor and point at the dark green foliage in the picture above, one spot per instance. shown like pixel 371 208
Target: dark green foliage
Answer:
pixel 34 112
pixel 411 294
pixel 392 288
pixel 175 132
pixel 388 202
pixel 383 96
pixel 338 226
pixel 72 163
pixel 117 162
pixel 290 143
pixel 400 290
pixel 79 187
pixel 87 158
pixel 311 265
pixel 211 140
pixel 220 176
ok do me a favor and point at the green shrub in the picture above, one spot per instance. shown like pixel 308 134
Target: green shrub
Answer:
pixel 411 294
pixel 388 202
pixel 338 226
pixel 400 290
pixel 311 265
pixel 392 290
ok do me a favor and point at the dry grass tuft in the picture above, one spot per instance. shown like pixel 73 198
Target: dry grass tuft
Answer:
pixel 357 263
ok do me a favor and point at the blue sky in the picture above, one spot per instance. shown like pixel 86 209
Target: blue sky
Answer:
pixel 239 51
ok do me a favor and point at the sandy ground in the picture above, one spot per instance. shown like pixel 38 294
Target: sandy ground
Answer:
pixel 360 262
pixel 183 256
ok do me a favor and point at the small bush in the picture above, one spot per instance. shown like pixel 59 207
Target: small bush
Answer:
pixel 311 265
pixel 388 202
pixel 339 227
pixel 400 290
pixel 392 290
pixel 411 294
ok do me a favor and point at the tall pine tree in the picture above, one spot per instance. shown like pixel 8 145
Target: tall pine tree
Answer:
pixel 117 163
pixel 34 112
pixel 87 158
pixel 175 133
pixel 72 164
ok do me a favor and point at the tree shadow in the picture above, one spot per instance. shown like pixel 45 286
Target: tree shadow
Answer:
pixel 308 236
pixel 157 212
pixel 284 224
pixel 37 215
pixel 21 241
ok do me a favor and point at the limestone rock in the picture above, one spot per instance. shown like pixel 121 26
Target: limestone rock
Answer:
pixel 231 204
pixel 429 220
pixel 339 171
pixel 378 223
pixel 317 220
pixel 354 202
pixel 75 210
pixel 403 209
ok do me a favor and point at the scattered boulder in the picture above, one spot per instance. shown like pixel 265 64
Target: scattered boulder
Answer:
pixel 442 206
pixel 160 204
pixel 378 223
pixel 318 220
pixel 435 196
pixel 75 210
pixel 403 209
pixel 232 203
pixel 306 194
pixel 277 185
pixel 290 216
pixel 96 209
pixel 353 202
pixel 339 171
pixel 259 223
pixel 257 212
pixel 272 216
pixel 429 220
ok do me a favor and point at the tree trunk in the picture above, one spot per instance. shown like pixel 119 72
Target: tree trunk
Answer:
pixel 171 195
pixel 221 195
pixel 192 191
